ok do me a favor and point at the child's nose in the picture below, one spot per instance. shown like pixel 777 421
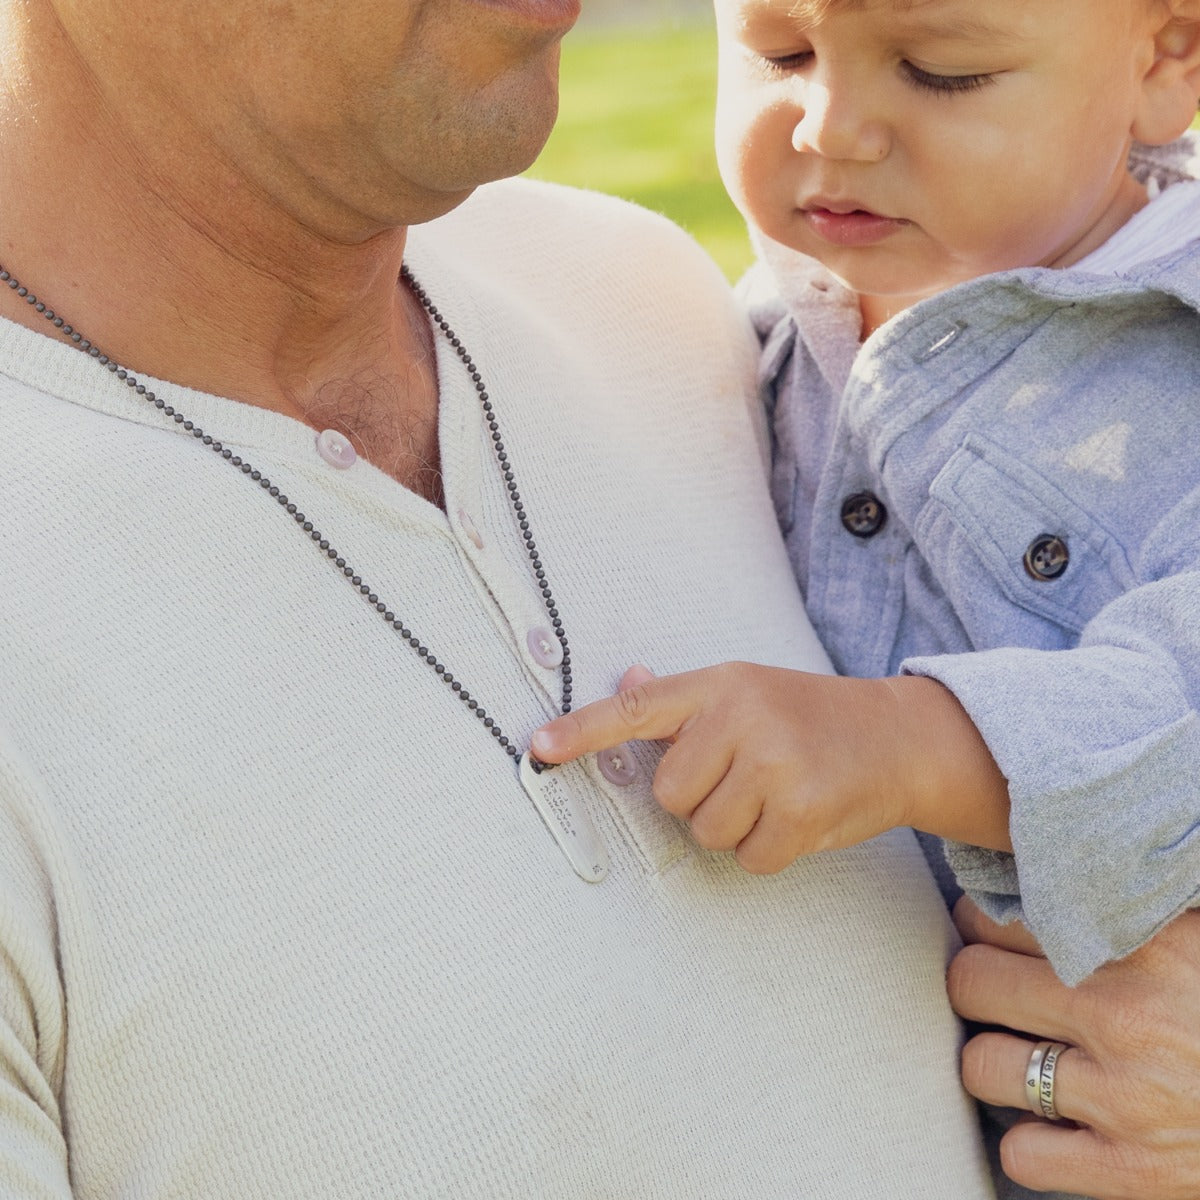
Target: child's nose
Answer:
pixel 833 128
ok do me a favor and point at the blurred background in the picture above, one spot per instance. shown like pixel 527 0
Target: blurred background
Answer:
pixel 638 90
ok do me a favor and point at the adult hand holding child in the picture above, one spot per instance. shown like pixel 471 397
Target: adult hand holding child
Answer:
pixel 1127 1086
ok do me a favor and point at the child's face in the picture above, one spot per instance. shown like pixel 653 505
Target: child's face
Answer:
pixel 912 144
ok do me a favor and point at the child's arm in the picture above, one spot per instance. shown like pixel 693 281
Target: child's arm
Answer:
pixel 777 763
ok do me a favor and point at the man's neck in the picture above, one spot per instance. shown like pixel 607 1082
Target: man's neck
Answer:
pixel 180 268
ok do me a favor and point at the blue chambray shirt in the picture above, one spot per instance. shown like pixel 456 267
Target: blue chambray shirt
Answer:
pixel 1003 425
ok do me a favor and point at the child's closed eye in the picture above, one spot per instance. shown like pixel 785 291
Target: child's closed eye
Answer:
pixel 943 85
pixel 779 64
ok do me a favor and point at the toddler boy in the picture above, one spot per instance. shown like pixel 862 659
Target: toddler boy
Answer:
pixel 982 354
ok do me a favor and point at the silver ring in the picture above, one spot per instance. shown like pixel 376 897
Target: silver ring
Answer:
pixel 1039 1079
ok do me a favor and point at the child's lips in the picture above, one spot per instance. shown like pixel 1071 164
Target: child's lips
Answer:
pixel 846 224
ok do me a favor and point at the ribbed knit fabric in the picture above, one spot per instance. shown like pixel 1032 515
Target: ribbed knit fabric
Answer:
pixel 276 918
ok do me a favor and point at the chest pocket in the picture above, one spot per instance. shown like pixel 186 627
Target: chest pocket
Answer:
pixel 1039 550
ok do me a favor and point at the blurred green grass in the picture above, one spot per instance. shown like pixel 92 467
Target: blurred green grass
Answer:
pixel 636 120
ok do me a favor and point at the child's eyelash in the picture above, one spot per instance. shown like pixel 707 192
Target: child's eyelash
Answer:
pixel 784 62
pixel 942 85
pixel 945 85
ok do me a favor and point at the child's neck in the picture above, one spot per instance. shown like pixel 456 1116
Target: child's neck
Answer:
pixel 879 310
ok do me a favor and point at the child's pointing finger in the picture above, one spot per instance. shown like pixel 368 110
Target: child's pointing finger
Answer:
pixel 645 709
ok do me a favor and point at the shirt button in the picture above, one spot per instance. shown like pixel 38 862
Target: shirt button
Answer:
pixel 863 514
pixel 468 527
pixel 545 647
pixel 618 765
pixel 336 449
pixel 1046 558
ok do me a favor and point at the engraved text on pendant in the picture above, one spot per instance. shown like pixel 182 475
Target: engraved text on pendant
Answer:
pixel 568 820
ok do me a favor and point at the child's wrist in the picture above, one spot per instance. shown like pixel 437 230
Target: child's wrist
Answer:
pixel 949 784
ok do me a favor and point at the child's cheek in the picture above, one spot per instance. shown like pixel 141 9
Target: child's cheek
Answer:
pixel 753 146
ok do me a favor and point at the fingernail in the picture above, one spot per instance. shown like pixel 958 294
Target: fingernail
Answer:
pixel 541 743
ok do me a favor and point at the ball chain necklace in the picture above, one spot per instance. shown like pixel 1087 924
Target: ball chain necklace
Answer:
pixel 564 814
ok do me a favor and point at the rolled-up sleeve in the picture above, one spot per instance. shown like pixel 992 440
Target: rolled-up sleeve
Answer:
pixel 1100 744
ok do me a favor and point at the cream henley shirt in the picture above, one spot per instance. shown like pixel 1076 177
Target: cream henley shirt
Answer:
pixel 277 919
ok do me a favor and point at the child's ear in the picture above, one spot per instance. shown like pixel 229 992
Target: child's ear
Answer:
pixel 1171 87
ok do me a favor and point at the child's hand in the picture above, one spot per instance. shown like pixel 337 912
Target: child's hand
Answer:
pixel 767 762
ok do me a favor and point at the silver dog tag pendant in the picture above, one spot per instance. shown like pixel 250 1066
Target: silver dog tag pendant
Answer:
pixel 567 819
